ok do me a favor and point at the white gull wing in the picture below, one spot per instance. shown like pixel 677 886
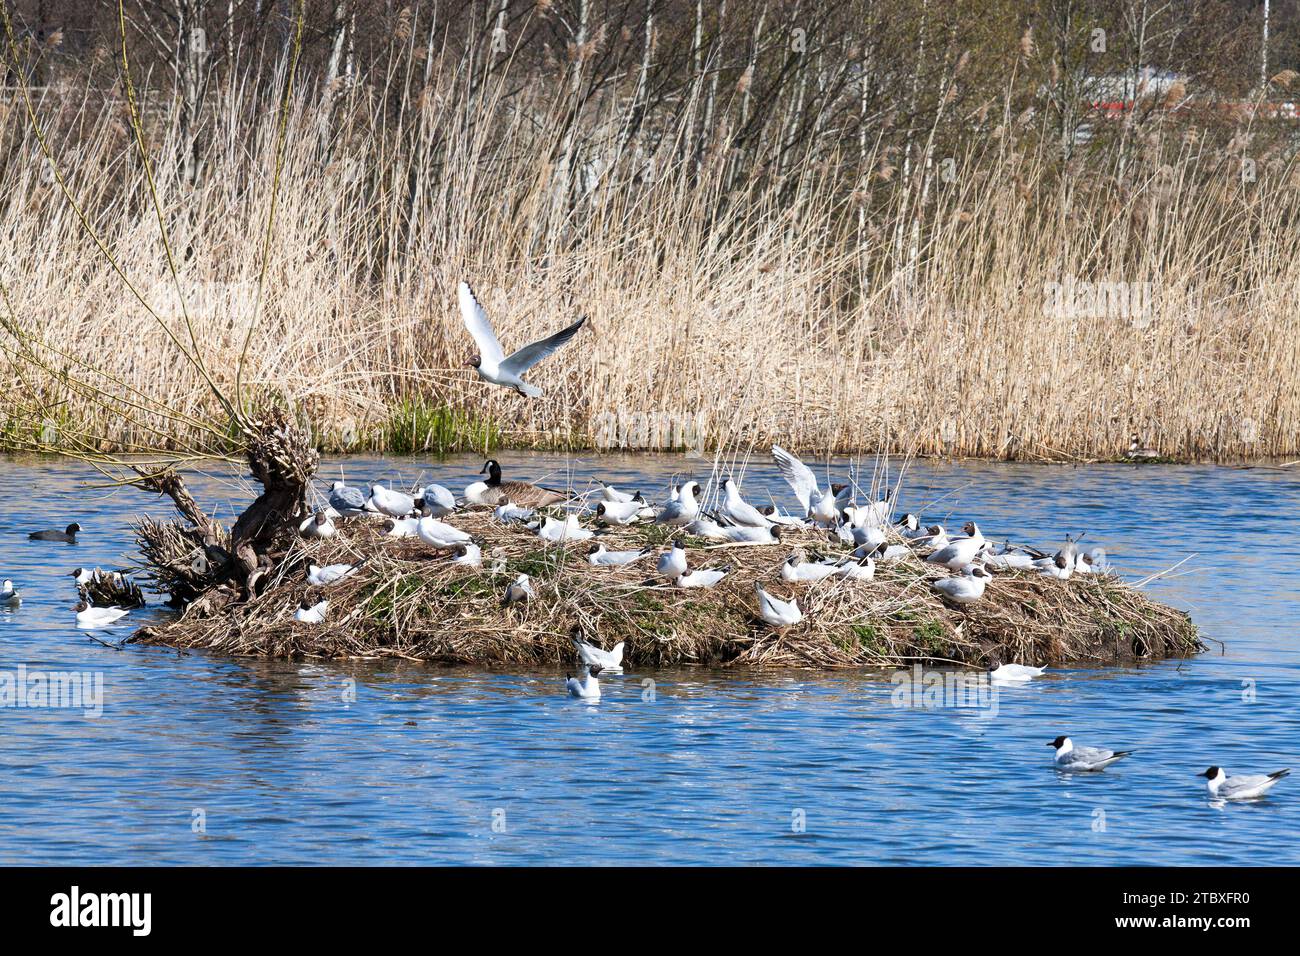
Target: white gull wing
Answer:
pixel 799 476
pixel 480 329
pixel 520 362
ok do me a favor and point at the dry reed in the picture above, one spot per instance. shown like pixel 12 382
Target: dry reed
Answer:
pixel 781 307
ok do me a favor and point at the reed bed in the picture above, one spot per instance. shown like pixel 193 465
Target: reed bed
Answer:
pixel 830 292
pixel 412 602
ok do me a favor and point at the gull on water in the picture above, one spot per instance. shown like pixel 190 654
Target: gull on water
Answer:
pixel 586 687
pixel 1070 756
pixel 607 660
pixel 9 597
pixel 94 617
pixel 1013 672
pixel 491 362
pixel 1242 787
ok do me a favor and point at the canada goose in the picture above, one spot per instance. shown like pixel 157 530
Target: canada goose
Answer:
pixel 521 493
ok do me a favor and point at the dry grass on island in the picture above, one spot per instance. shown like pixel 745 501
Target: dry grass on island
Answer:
pixel 410 601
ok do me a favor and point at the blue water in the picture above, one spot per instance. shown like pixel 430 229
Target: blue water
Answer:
pixel 198 759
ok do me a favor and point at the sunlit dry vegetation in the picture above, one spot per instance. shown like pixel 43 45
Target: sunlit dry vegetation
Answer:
pixel 826 224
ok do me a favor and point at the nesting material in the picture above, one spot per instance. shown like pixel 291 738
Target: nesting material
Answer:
pixel 410 601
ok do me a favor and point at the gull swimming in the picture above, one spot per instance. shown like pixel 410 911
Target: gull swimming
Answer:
pixel 93 617
pixel 8 596
pixel 598 556
pixel 330 573
pixel 348 502
pixel 1243 787
pixel 736 510
pixel 586 687
pixel 491 363
pixel 964 588
pixel 593 656
pixel 68 535
pixel 1071 757
pixel 778 613
pixel 309 613
pixel 1013 672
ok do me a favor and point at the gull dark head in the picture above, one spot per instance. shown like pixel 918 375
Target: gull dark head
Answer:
pixel 679 542
pixel 595 669
pixel 306 605
pixel 995 662
pixel 1211 773
pixel 969 528
pixel 934 529
pixel 321 518
pixel 596 548
pixel 1059 742
pixel 81 606
pixel 474 361
pixel 776 530
pixel 600 509
pixel 76 573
